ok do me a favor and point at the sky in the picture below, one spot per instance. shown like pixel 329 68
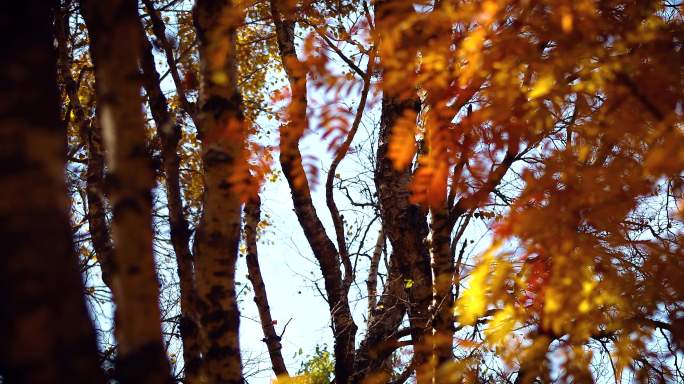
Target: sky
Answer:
pixel 287 264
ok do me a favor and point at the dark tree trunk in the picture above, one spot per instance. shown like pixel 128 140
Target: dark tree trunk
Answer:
pixel 271 338
pixel 46 334
pixel 170 133
pixel 443 271
pixel 406 228
pixel 291 161
pixel 91 135
pixel 404 222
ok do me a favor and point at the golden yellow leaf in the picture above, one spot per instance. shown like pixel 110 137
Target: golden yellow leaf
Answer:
pixel 542 86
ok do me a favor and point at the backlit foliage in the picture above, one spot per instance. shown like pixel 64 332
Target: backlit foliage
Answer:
pixel 557 124
pixel 594 91
pixel 591 92
pixel 317 369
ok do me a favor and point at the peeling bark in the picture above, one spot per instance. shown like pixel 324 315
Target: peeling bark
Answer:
pixel 222 129
pixel 134 281
pixel 46 333
pixel 271 338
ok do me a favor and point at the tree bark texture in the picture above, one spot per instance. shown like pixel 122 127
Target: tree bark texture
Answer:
pixel 405 223
pixel 47 335
pixel 135 287
pixel 406 227
pixel 443 271
pixel 222 130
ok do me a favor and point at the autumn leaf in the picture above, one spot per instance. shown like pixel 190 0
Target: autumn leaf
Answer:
pixel 402 145
pixel 542 86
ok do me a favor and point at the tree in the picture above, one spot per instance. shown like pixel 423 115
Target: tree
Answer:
pixel 134 286
pixel 550 130
pixel 43 310
pixel 169 134
pixel 222 127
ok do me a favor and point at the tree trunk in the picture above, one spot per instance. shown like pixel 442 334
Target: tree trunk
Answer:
pixel 222 129
pixel 170 134
pixel 405 223
pixel 406 227
pixel 383 322
pixel 443 271
pixel 91 135
pixel 46 334
pixel 135 287
pixel 291 161
pixel 159 30
pixel 271 338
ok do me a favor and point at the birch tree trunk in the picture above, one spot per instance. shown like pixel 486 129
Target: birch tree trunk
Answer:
pixel 46 334
pixel 134 282
pixel 222 130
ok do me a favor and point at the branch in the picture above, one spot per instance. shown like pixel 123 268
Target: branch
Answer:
pixel 271 338
pixel 492 182
pixel 372 282
pixel 341 54
pixel 159 30
pixel 291 162
pixel 329 198
pixel 405 375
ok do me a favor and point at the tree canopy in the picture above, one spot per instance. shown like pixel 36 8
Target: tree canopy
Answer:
pixel 498 182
